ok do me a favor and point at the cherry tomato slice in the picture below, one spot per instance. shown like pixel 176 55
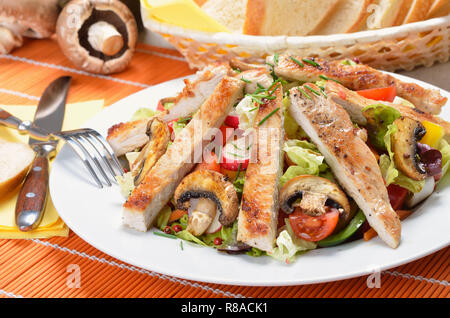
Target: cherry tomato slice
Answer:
pixel 385 93
pixel 232 121
pixel 397 195
pixel 209 163
pixel 313 228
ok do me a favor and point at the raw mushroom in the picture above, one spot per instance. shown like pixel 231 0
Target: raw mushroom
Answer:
pixel 216 195
pixel 98 36
pixel 404 146
pixel 159 137
pixel 29 18
pixel 315 193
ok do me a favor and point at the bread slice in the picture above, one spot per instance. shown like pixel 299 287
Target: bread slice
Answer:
pixel 15 160
pixel 383 14
pixel 403 12
pixel 439 8
pixel 286 17
pixel 230 13
pixel 348 16
pixel 418 11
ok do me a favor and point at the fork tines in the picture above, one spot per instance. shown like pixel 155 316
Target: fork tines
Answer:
pixel 92 148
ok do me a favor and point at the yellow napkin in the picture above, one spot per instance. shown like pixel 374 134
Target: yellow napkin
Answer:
pixel 51 224
pixel 183 13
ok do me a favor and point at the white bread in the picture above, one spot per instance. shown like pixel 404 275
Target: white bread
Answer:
pixel 418 11
pixel 383 14
pixel 286 17
pixel 15 160
pixel 347 16
pixel 230 13
pixel 404 10
pixel 439 8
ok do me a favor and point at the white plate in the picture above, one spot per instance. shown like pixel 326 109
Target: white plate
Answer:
pixel 95 215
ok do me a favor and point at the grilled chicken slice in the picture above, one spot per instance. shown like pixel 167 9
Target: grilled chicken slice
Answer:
pixel 126 137
pixel 354 165
pixel 254 78
pixel 357 77
pixel 159 185
pixel 257 223
pixel 354 103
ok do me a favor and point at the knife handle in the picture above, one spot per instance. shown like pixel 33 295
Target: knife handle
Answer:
pixel 22 126
pixel 33 195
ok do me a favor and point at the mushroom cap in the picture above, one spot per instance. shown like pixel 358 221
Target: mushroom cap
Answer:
pixel 211 185
pixel 72 34
pixel 30 18
pixel 404 146
pixel 294 188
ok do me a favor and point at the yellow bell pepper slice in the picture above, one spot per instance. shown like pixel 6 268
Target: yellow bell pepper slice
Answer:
pixel 433 135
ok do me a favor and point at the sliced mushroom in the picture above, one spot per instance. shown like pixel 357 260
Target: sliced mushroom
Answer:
pixel 404 146
pixel 98 36
pixel 216 194
pixel 315 194
pixel 159 137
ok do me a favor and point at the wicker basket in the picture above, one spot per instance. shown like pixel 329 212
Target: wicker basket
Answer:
pixel 402 47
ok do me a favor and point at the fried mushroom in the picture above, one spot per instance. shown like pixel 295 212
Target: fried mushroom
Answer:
pixel 216 195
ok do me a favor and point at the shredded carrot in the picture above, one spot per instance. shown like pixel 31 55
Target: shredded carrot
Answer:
pixel 370 234
pixel 176 215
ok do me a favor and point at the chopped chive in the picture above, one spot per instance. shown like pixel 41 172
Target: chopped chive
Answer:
pixel 260 86
pixel 165 235
pixel 273 91
pixel 219 157
pixel 296 61
pixel 245 80
pixel 235 155
pixel 248 148
pixel 238 172
pixel 235 146
pixel 254 109
pixel 304 93
pixel 270 64
pixel 268 116
pixel 182 120
pixel 181 245
pixel 328 79
pixel 311 62
pixel 312 90
pixel 275 58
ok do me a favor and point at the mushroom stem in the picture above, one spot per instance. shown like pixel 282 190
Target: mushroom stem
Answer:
pixel 201 217
pixel 105 38
pixel 313 203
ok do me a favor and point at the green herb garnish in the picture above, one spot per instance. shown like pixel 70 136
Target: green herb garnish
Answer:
pixel 296 61
pixel 245 80
pixel 304 93
pixel 328 79
pixel 268 116
pixel 275 58
pixel 312 90
pixel 165 235
pixel 238 172
pixel 311 62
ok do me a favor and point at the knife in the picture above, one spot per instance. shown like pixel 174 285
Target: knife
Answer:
pixel 49 116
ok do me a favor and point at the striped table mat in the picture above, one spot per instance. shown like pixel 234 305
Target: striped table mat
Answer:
pixel 45 268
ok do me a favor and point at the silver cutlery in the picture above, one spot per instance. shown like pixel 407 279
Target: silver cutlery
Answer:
pixel 49 115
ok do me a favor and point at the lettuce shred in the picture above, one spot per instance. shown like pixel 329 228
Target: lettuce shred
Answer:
pixel 289 245
pixel 305 156
pixel 444 148
pixel 126 184
pixel 291 128
pixel 390 172
pixel 142 113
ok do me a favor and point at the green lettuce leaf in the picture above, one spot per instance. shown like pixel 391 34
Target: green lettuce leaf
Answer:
pixel 163 217
pixel 288 245
pixel 142 113
pixel 444 148
pixel 306 158
pixel 390 172
pixel 126 184
pixel 379 118
pixel 291 128
pixel 187 236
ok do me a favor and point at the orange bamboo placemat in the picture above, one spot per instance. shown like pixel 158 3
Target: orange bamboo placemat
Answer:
pixel 43 268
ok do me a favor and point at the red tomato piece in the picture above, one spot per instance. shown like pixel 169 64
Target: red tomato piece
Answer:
pixel 232 120
pixel 313 228
pixel 210 163
pixel 386 94
pixel 397 195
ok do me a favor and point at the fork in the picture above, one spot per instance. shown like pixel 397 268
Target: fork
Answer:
pixel 88 144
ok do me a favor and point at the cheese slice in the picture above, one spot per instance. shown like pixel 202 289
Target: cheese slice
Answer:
pixel 183 13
